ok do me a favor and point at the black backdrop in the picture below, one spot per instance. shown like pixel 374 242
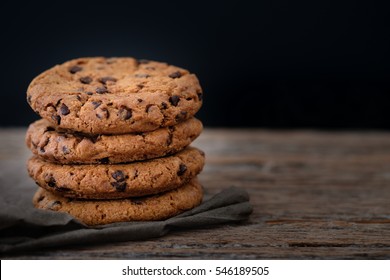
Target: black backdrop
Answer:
pixel 276 64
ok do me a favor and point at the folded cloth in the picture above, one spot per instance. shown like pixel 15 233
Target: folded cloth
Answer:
pixel 23 227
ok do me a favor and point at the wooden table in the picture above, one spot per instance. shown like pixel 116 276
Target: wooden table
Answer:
pixel 316 195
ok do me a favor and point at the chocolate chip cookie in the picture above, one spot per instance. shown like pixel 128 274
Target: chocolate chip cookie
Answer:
pixel 105 181
pixel 98 212
pixel 100 95
pixel 67 147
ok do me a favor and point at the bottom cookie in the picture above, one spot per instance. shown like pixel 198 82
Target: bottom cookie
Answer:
pixel 147 208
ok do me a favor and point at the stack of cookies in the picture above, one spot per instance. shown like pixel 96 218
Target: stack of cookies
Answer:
pixel 113 141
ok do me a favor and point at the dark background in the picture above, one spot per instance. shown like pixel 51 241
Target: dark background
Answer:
pixel 275 64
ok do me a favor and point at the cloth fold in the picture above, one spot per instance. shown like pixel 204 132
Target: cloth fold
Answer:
pixel 23 227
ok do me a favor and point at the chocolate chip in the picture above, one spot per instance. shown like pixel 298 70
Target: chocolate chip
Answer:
pixel 102 114
pixel 181 116
pixel 125 113
pixel 40 198
pixel 75 69
pixel 44 144
pixel 119 176
pixel 104 80
pixel 56 118
pixel 142 75
pixel 78 97
pixel 182 169
pixel 175 75
pixel 140 100
pixel 86 80
pixel 147 109
pixel 119 186
pixel 96 104
pixel 65 150
pixel 104 160
pixel 89 93
pixel 64 110
pixel 143 61
pixel 50 181
pixel 174 100
pixel 136 173
pixel 140 86
pixel 164 105
pixel 49 128
pixel 101 90
pixel 29 99
pixel 200 96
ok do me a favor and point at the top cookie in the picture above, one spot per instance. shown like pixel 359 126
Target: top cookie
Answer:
pixel 115 95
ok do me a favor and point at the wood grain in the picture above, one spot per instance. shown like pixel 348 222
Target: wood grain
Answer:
pixel 316 195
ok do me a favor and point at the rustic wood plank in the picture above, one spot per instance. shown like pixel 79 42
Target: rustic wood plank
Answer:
pixel 316 195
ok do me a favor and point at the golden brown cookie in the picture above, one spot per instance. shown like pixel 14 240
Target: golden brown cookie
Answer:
pixel 67 147
pixel 148 208
pixel 113 181
pixel 100 95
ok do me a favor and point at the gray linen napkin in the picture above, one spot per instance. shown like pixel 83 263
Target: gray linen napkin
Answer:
pixel 22 227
